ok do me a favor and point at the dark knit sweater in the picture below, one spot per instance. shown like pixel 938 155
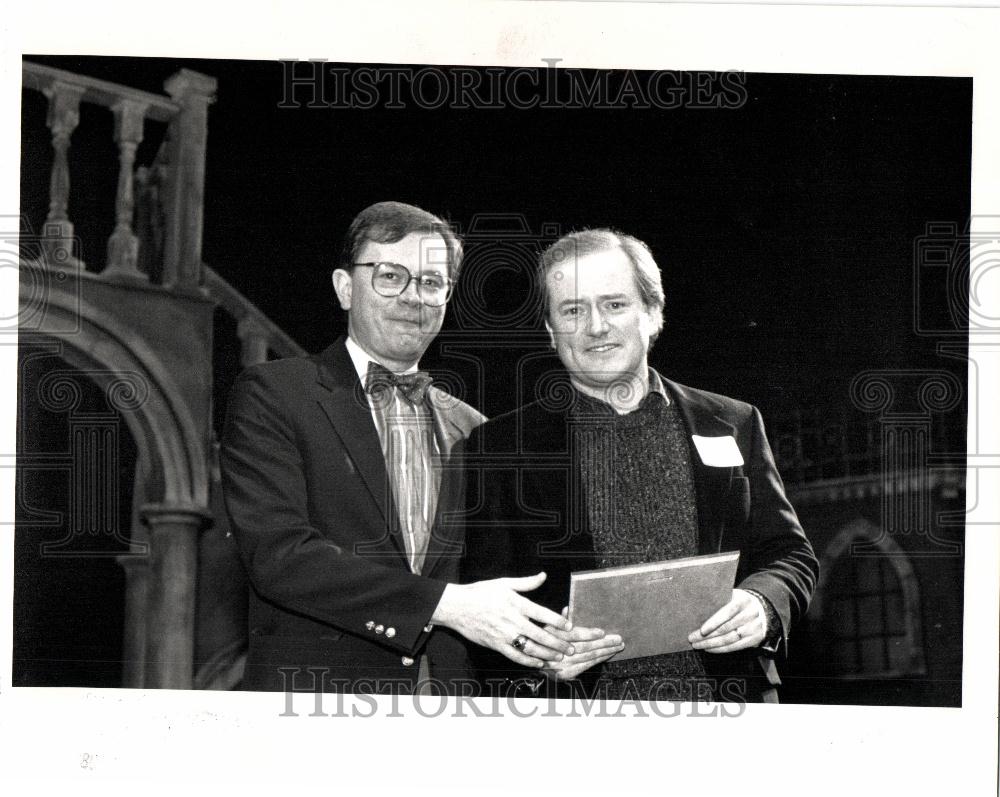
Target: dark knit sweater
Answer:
pixel 638 485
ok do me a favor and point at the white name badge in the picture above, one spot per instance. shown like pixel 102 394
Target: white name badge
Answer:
pixel 718 452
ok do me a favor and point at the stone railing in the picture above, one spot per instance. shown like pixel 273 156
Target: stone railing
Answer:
pixel 159 207
pixel 185 112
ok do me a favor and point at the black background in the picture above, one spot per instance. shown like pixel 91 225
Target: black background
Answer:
pixel 785 228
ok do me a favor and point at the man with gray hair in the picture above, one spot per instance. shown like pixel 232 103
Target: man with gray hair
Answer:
pixel 617 465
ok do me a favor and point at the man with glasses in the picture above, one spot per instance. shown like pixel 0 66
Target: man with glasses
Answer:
pixel 338 472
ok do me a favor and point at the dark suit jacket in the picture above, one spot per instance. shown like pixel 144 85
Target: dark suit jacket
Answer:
pixel 311 508
pixel 527 513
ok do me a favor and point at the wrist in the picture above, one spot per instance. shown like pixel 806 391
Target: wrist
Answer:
pixel 444 611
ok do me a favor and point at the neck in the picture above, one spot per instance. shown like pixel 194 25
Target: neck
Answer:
pixel 623 395
pixel 396 366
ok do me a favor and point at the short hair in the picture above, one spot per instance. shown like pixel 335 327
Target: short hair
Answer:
pixel 591 241
pixel 388 222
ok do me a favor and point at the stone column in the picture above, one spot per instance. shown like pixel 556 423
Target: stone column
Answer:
pixel 123 245
pixel 63 117
pixel 173 561
pixel 184 200
pixel 134 636
pixel 254 341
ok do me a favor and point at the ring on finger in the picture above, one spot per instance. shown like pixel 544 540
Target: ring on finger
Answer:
pixel 519 642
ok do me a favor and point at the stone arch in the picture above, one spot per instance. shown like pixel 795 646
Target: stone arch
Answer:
pixel 170 442
pixel 862 530
pixel 127 354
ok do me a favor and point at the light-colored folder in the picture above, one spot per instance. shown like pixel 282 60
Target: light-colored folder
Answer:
pixel 653 606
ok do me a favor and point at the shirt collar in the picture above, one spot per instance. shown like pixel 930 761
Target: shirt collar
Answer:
pixel 360 358
pixel 655 386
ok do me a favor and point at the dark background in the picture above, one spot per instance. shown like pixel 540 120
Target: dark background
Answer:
pixel 786 230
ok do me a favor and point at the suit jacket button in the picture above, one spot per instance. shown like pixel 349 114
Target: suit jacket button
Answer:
pixel 407 661
pixel 379 628
pixel 390 632
pixel 428 628
pixel 370 625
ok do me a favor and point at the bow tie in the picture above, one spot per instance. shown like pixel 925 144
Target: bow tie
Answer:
pixel 412 385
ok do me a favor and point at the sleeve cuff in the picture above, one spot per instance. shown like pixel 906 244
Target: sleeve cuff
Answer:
pixel 772 630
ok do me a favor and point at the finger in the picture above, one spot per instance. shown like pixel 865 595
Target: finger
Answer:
pixel 543 615
pixel 577 669
pixel 734 640
pixel 593 656
pixel 578 634
pixel 727 612
pixel 525 583
pixel 545 639
pixel 745 618
pixel 548 655
pixel 598 645
pixel 519 657
pixel 741 644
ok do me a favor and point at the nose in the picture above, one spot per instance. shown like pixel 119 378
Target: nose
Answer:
pixel 410 295
pixel 597 324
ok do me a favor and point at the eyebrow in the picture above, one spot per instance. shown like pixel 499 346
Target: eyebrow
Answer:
pixel 603 298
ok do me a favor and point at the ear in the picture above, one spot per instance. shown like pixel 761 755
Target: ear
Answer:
pixel 342 286
pixel 552 335
pixel 648 325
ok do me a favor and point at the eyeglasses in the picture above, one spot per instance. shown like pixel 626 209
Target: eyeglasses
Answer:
pixel 392 279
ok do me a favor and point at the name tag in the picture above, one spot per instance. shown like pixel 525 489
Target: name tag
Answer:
pixel 718 452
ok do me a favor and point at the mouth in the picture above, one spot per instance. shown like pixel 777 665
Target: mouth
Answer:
pixel 603 347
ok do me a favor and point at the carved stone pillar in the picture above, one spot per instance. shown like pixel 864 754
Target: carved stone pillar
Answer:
pixel 254 341
pixel 63 117
pixel 123 246
pixel 184 199
pixel 173 559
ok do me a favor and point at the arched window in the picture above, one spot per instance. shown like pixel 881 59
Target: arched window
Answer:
pixel 868 606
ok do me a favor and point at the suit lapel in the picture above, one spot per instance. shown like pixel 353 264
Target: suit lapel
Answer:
pixel 711 484
pixel 447 433
pixel 347 408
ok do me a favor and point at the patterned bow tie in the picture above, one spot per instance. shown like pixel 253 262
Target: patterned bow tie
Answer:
pixel 412 385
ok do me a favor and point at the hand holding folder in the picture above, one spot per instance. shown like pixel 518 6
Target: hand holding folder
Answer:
pixel 654 607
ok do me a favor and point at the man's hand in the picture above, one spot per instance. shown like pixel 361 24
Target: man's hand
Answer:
pixel 740 624
pixel 492 614
pixel 591 647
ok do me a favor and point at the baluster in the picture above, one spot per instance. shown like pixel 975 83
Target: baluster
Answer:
pixel 63 117
pixel 123 246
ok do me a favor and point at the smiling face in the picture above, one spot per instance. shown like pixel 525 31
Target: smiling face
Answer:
pixel 395 330
pixel 599 325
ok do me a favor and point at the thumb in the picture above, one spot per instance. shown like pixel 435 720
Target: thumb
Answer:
pixel 565 612
pixel 526 583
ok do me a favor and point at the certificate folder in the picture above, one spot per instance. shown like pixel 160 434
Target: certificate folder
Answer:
pixel 653 606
